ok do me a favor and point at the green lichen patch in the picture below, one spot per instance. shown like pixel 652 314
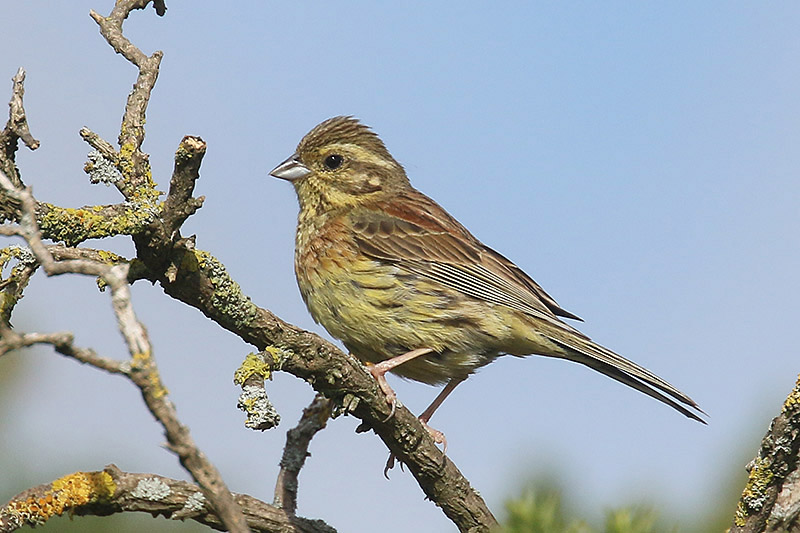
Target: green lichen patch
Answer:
pixel 228 298
pixel 754 495
pixel 75 225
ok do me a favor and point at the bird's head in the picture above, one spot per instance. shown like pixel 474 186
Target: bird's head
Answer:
pixel 341 163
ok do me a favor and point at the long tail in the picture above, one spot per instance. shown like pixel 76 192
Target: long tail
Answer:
pixel 584 351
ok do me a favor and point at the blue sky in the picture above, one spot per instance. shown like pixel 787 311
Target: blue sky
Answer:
pixel 639 160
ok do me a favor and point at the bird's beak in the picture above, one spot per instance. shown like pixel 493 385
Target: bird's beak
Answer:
pixel 291 169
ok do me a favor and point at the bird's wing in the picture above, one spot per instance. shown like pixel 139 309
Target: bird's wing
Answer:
pixel 417 234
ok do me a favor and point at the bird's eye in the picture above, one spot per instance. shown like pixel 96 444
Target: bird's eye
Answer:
pixel 333 161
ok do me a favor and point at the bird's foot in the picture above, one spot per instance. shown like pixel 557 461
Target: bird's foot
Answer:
pixel 379 370
pixel 437 436
pixel 379 373
pixel 390 464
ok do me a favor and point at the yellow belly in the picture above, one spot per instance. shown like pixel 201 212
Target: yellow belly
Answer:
pixel 380 311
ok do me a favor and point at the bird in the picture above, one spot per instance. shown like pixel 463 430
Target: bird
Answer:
pixel 408 289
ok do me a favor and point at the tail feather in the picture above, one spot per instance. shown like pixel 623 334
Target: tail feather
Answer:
pixel 617 367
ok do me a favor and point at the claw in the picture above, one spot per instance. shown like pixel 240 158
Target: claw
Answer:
pixel 389 465
pixel 437 436
pixel 391 413
pixel 379 371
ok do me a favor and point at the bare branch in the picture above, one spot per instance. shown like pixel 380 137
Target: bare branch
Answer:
pixel 160 7
pixel 771 499
pixel 113 491
pixel 134 163
pixel 16 129
pixel 18 120
pixel 180 204
pixel 12 287
pixel 314 419
pixel 143 371
pixel 101 145
pixel 61 253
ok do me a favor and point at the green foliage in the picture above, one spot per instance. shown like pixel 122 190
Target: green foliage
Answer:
pixel 541 509
pixel 633 520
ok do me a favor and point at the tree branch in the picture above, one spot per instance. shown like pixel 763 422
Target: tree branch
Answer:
pixel 314 419
pixel 16 129
pixel 180 204
pixel 135 166
pixel 251 374
pixel 771 499
pixel 141 369
pixel 113 491
pixel 17 125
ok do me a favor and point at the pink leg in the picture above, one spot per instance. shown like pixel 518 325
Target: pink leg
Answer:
pixel 437 402
pixel 438 436
pixel 379 371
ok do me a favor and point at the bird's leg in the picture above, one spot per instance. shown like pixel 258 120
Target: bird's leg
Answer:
pixel 437 402
pixel 424 418
pixel 379 371
pixel 426 415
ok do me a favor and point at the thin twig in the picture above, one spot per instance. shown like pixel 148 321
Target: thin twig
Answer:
pixel 137 170
pixel 18 120
pixel 29 230
pixel 13 286
pixel 16 129
pixel 314 419
pixel 180 204
pixel 101 145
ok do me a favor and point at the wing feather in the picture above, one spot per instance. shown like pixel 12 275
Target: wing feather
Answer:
pixel 419 236
pixel 410 235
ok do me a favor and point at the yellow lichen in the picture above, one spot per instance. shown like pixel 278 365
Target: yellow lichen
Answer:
pixel 792 402
pixel 190 261
pixel 253 364
pixel 110 257
pixel 278 355
pixel 754 494
pixel 142 360
pixel 66 494
pixel 159 390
